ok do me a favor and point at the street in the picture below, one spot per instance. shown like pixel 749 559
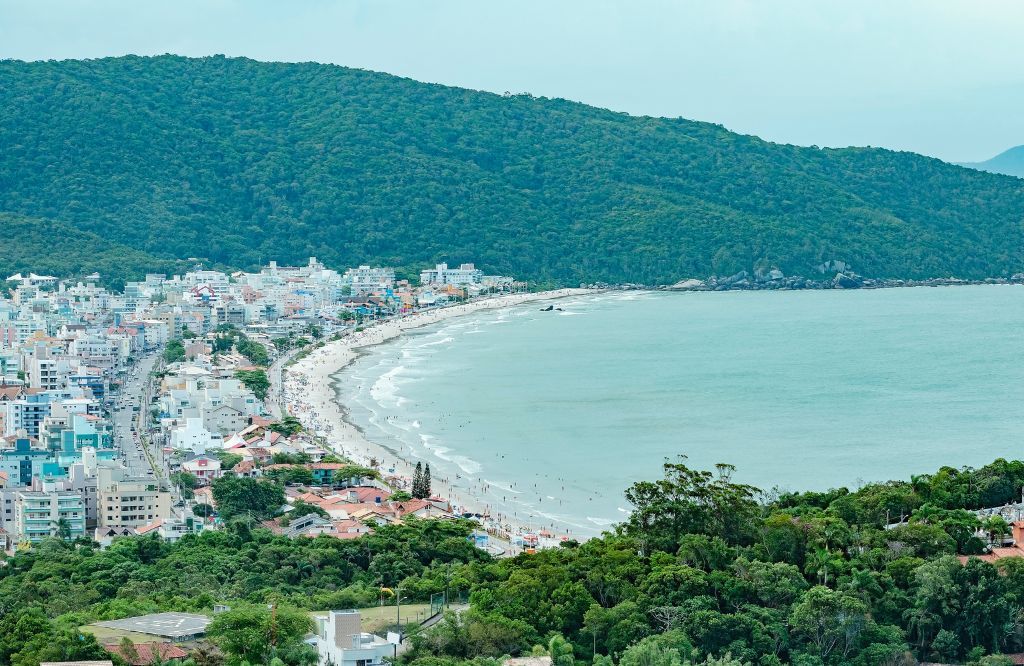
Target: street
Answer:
pixel 130 414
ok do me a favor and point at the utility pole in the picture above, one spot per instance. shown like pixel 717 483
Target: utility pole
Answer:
pixel 273 626
pixel 447 583
pixel 398 606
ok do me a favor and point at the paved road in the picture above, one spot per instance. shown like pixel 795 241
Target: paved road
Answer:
pixel 275 373
pixel 129 416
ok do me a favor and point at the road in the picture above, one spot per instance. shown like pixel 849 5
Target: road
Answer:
pixel 130 414
pixel 275 373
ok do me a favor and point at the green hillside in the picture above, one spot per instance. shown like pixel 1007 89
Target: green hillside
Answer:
pixel 240 162
pixel 58 248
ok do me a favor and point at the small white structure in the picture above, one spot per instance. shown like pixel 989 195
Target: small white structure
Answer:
pixel 341 641
pixel 193 436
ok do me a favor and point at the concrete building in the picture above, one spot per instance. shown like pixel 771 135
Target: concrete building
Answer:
pixel 39 514
pixel 463 276
pixel 342 642
pixel 192 436
pixel 127 502
pixel 365 280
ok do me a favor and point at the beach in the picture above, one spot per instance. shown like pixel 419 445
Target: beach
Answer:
pixel 310 396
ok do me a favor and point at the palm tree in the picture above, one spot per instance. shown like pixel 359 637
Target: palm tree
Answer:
pixel 62 529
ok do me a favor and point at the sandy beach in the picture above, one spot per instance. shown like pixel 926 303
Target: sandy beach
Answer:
pixel 309 394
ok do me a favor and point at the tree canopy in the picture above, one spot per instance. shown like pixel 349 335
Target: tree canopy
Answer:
pixel 131 164
pixel 834 578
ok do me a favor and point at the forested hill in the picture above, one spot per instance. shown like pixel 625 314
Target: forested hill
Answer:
pixel 239 162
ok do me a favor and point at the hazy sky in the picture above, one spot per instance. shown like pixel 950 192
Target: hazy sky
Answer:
pixel 940 77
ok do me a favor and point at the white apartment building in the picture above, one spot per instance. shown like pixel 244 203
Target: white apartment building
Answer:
pixel 365 280
pixel 463 276
pixel 39 514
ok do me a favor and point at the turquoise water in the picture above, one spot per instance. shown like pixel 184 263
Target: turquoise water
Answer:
pixel 558 412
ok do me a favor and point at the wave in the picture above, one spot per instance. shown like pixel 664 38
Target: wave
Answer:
pixel 504 486
pixel 601 522
pixel 385 389
pixel 443 341
pixel 557 518
pixel 465 463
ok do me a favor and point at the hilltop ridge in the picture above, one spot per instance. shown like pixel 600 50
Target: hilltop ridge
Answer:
pixel 238 162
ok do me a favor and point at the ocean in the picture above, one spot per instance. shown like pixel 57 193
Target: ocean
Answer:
pixel 550 416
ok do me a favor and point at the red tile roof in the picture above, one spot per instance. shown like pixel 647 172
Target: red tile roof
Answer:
pixel 411 506
pixel 145 529
pixel 365 494
pixel 146 653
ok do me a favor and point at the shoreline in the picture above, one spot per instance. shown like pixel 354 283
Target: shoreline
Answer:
pixel 309 392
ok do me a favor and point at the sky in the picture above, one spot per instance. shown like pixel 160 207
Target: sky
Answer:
pixel 939 77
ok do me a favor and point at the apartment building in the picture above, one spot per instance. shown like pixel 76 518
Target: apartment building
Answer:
pixel 39 514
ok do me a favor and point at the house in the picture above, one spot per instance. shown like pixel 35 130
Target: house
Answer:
pixel 172 529
pixel 999 553
pixel 415 507
pixel 105 536
pixel 146 654
pixel 204 496
pixel 378 513
pixel 224 419
pixel 246 469
pixel 310 525
pixel 257 454
pixel 328 474
pixel 350 529
pixel 206 470
pixel 367 494
pixel 341 641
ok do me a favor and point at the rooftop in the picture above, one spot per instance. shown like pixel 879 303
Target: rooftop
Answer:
pixel 167 625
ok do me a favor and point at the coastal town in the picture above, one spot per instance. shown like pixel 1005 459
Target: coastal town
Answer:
pixel 122 412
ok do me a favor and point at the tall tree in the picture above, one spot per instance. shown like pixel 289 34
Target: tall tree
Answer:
pixel 417 480
pixel 425 484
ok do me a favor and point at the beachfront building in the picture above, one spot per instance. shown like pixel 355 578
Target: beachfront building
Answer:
pixel 366 280
pixel 463 276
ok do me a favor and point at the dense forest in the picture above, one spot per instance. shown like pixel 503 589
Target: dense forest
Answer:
pixel 704 570
pixel 237 162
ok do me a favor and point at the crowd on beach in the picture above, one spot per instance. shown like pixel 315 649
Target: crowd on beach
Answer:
pixel 309 395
